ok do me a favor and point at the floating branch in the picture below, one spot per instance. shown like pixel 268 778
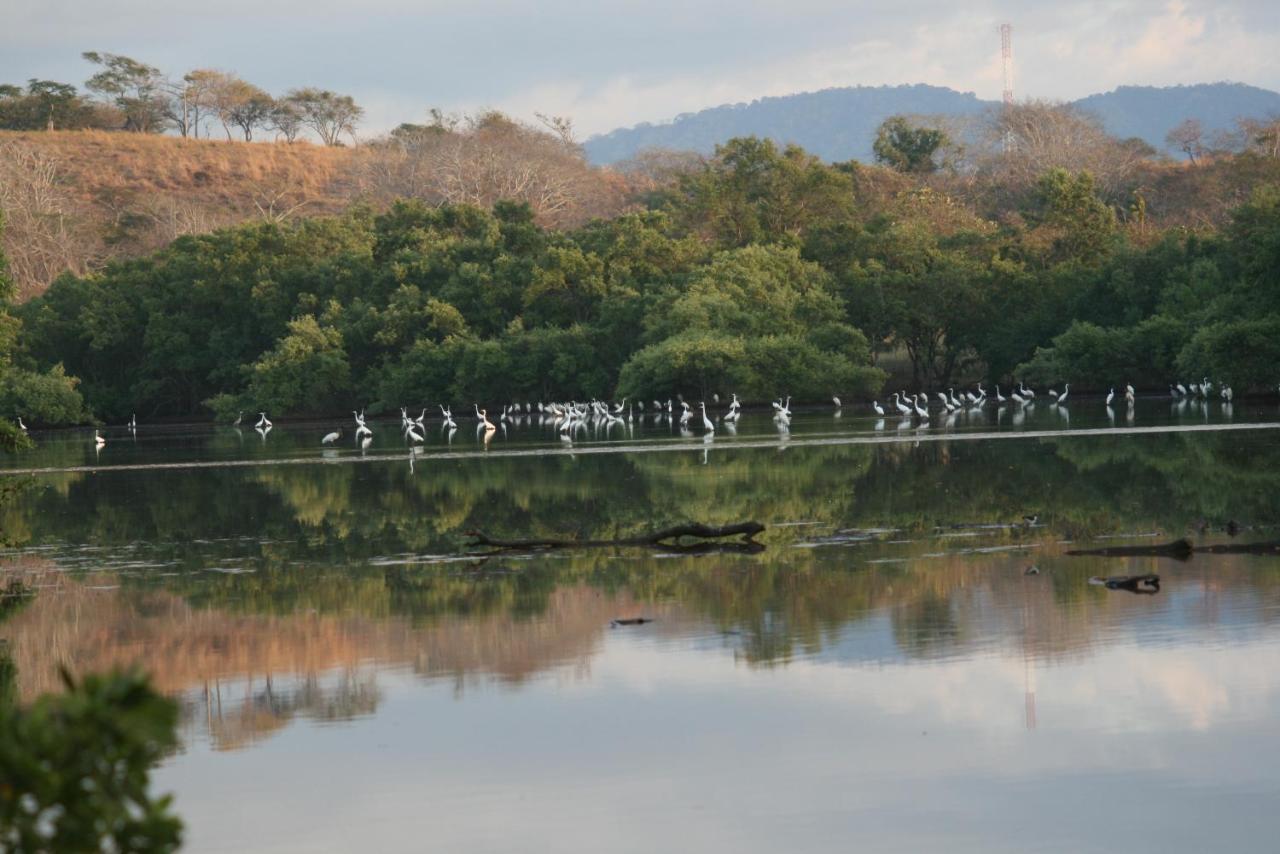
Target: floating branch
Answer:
pixel 1182 550
pixel 667 538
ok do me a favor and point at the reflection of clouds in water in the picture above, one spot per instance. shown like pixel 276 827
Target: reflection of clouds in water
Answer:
pixel 1121 689
pixel 671 747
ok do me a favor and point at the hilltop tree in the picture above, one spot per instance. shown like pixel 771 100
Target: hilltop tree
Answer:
pixel 133 86
pixel 285 119
pixel 328 114
pixel 908 148
pixel 249 107
pixel 46 105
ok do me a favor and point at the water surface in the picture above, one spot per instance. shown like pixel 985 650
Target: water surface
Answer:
pixel 912 662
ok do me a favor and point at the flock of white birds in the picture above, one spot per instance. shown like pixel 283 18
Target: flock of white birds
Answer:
pixel 570 419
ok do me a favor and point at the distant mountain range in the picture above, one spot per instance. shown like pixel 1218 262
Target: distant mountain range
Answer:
pixel 840 124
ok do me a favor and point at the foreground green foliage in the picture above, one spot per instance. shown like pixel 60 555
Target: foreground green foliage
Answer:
pixel 74 769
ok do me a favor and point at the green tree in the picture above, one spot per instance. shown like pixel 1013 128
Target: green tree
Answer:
pixel 907 147
pixel 1081 225
pixel 752 192
pixel 307 370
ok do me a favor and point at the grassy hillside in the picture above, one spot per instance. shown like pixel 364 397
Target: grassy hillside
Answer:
pixel 73 200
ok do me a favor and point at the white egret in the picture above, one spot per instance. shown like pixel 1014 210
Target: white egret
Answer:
pixel 263 420
pixel 1066 390
pixel 1111 395
pixel 706 422
pixel 902 407
pixel 836 401
pixel 21 426
pixel 330 438
pixel 1000 398
pixel 879 410
pixel 413 436
pixel 488 425
pixel 239 418
pixel 366 442
pixel 133 422
pixel 920 410
pixel 98 440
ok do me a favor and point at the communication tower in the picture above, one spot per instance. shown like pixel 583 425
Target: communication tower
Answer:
pixel 1006 57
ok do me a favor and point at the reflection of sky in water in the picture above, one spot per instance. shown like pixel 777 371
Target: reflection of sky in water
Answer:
pixel 882 677
pixel 664 748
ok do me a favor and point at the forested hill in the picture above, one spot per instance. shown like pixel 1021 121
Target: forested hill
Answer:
pixel 840 124
pixel 1150 112
pixel 835 124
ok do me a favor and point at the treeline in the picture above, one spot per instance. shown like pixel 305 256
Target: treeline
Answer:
pixel 128 95
pixel 758 271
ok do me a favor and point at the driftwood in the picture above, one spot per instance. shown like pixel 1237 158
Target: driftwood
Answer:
pixel 1148 584
pixel 667 538
pixel 1182 550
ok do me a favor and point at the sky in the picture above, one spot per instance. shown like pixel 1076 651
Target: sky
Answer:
pixel 612 63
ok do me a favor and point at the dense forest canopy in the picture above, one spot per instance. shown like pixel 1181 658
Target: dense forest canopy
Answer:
pixel 760 270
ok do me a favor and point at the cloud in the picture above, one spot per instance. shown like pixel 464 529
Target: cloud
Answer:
pixel 619 62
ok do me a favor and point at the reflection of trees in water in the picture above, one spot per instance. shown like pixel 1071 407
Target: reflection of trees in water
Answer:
pixel 342 556
pixel 239 712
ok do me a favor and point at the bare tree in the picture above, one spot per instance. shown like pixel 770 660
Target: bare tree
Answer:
pixel 484 159
pixel 1021 141
pixel 1262 135
pixel 43 238
pixel 1187 137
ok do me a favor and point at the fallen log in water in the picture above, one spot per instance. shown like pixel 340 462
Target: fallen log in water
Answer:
pixel 668 538
pixel 1149 584
pixel 1182 550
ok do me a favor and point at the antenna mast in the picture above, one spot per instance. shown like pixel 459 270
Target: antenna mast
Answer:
pixel 1006 56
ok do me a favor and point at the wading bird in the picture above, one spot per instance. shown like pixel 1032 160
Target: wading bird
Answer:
pixel 879 410
pixel 98 440
pixel 330 438
pixel 262 420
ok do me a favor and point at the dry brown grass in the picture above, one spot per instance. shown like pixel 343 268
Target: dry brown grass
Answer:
pixel 95 163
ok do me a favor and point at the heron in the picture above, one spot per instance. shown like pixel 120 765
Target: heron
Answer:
pixel 263 421
pixel 330 438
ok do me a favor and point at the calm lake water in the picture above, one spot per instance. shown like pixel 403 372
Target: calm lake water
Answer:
pixel 907 665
